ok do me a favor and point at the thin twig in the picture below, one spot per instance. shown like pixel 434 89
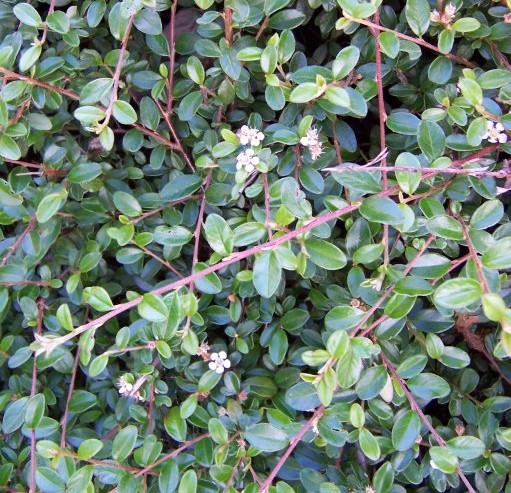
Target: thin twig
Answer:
pixel 19 240
pixel 418 41
pixel 33 391
pixel 267 205
pixel 24 282
pixel 118 70
pixel 24 163
pixel 170 455
pixel 45 29
pixel 382 118
pixel 294 442
pixel 236 257
pixel 69 395
pixel 431 171
pixel 264 25
pixel 390 289
pixel 175 136
pixel 228 25
pixel 162 208
pixel 474 256
pixel 9 74
pixel 172 56
pixel 14 75
pixel 159 259
pixel 415 407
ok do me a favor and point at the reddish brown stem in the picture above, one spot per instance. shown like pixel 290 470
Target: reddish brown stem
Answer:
pixel 474 256
pixel 228 25
pixel 200 218
pixel 431 171
pixel 19 240
pixel 151 409
pixel 502 58
pixel 390 290
pixel 9 74
pixel 162 208
pixel 33 391
pixel 13 75
pixel 69 395
pixel 419 41
pixel 236 257
pixel 24 282
pixel 382 118
pixel 267 205
pixel 294 442
pixel 415 407
pixel 264 25
pixel 171 455
pixel 298 161
pixel 51 9
pixel 178 145
pixel 159 259
pixel 172 56
pixel 24 163
pixel 337 146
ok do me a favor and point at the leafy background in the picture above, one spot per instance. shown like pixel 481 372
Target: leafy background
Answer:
pixel 363 309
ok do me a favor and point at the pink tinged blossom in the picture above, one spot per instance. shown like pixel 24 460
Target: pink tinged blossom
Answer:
pixel 312 142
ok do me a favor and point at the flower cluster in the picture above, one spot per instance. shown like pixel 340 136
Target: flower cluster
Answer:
pixel 247 159
pixel 445 17
pixel 128 389
pixel 312 142
pixel 219 362
pixel 495 133
pixel 249 136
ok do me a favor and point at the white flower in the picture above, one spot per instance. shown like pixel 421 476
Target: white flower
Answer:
pixel 312 142
pixel 128 389
pixel 495 132
pixel 249 136
pixel 125 387
pixel 247 159
pixel 219 362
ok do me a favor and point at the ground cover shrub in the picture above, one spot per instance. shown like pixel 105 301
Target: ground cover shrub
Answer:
pixel 255 245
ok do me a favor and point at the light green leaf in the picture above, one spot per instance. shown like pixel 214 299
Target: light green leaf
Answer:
pixel 417 15
pixel 431 139
pixel 266 437
pixel 8 148
pixel 50 205
pixel 457 293
pixel 124 442
pixel 267 274
pixel 98 298
pixel 406 430
pixel 124 113
pixel 153 308
pixel 325 254
pixel 127 204
pixel 381 210
pixel 305 92
pixel 219 235
pixel 27 14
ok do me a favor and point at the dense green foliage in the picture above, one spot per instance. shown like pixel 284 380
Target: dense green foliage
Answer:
pixel 202 289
